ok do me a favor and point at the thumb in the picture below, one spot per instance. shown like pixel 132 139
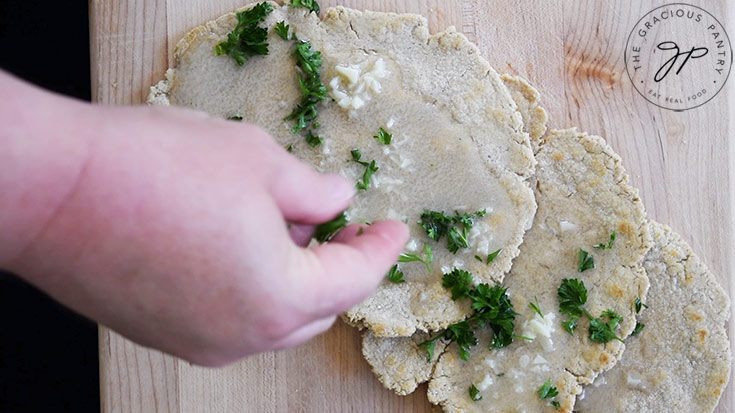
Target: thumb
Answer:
pixel 340 274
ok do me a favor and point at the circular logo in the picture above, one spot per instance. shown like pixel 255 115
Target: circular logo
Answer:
pixel 678 56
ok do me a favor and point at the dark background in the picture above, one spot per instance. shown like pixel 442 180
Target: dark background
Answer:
pixel 48 355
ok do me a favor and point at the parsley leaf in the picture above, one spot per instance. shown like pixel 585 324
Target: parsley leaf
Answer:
pixel 383 137
pixel 638 328
pixel 429 346
pixel 312 90
pixel 601 331
pixel 235 117
pixel 570 325
pixel 313 140
pixel 370 169
pixel 493 309
pixel 247 38
pixel 474 393
pixel 289 148
pixel 413 257
pixel 281 29
pixel 459 282
pixel 395 275
pixel 491 257
pixel 535 307
pixel 325 231
pixel 309 4
pixel 586 261
pixel 462 334
pixel 555 404
pixel 639 305
pixel 572 296
pixel 437 224
pixel 547 391
pixel 602 246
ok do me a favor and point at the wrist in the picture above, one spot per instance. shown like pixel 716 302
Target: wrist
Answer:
pixel 45 142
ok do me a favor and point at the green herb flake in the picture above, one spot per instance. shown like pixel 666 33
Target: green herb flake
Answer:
pixel 463 335
pixel 383 137
pixel 437 224
pixel 638 328
pixel 312 90
pixel 556 404
pixel 237 118
pixel 547 391
pixel 289 148
pixel 572 296
pixel 428 345
pixel 535 307
pixel 601 331
pixel 395 275
pixel 327 230
pixel 458 281
pixel 586 261
pixel 313 140
pixel 639 305
pixel 491 257
pixel 309 4
pixel 370 169
pixel 247 38
pixel 413 257
pixel 570 325
pixel 610 242
pixel 281 29
pixel 475 393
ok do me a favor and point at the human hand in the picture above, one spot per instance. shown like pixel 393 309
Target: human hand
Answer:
pixel 171 229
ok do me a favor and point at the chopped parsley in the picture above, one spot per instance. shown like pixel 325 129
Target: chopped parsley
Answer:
pixel 235 117
pixel 547 391
pixel 395 275
pixel 313 91
pixel 281 29
pixel 492 308
pixel 383 137
pixel 601 331
pixel 639 305
pixel 475 393
pixel 535 307
pixel 478 258
pixel 326 231
pixel 437 224
pixel 609 245
pixel 413 257
pixel 370 169
pixel 458 281
pixel 491 257
pixel 309 4
pixel 586 261
pixel 638 328
pixel 313 140
pixel 289 148
pixel 247 38
pixel 572 296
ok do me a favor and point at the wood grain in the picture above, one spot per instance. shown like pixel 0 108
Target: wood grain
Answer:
pixel 572 51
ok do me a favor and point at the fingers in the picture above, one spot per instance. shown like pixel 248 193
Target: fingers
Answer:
pixel 306 196
pixel 337 275
pixel 305 333
pixel 300 233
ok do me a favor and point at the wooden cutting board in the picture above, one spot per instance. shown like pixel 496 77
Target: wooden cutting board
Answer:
pixel 572 51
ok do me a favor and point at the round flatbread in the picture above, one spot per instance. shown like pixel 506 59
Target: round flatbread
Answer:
pixel 583 195
pixel 457 140
pixel 680 361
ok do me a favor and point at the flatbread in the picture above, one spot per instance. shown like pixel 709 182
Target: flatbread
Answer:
pixel 680 362
pixel 398 363
pixel 583 194
pixel 454 123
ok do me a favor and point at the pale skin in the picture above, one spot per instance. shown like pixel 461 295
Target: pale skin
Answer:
pixel 170 226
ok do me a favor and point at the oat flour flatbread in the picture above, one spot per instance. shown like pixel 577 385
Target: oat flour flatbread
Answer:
pixel 680 361
pixel 583 195
pixel 457 137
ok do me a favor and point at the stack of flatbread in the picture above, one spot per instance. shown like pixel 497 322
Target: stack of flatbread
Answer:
pixel 469 142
